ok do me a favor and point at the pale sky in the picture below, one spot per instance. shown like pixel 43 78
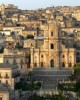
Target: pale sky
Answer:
pixel 34 4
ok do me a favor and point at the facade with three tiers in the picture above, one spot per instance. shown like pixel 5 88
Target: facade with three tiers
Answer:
pixel 53 52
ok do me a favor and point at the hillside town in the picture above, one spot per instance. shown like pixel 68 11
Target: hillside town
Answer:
pixel 39 53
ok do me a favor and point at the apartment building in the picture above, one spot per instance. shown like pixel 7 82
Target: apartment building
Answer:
pixel 9 74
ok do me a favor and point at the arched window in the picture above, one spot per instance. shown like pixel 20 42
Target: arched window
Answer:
pixel 42 65
pixel 51 33
pixel 41 56
pixel 6 75
pixel 52 63
pixel 63 56
pixel 63 64
pixel 31 44
pixel 6 81
pixel 35 64
pixel 70 64
pixel 52 46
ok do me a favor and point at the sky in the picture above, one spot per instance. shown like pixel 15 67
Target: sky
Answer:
pixel 35 4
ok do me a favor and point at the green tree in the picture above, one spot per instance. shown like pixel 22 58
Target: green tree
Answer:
pixel 30 37
pixel 77 71
pixel 77 67
pixel 78 85
pixel 1 49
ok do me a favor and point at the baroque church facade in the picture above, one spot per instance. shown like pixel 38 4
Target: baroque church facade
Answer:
pixel 53 53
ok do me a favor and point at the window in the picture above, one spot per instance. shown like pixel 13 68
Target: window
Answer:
pixel 0 75
pixel 31 44
pixel 77 53
pixel 70 65
pixel 52 63
pixel 78 60
pixel 35 64
pixel 21 66
pixel 63 56
pixel 0 98
pixel 41 56
pixel 6 81
pixel 6 76
pixel 51 33
pixel 63 64
pixel 34 33
pixel 52 46
pixel 42 65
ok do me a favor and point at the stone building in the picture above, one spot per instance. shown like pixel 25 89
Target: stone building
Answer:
pixel 14 57
pixel 9 75
pixel 53 52
pixel 4 93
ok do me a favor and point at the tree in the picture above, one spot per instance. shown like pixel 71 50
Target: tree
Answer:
pixel 78 88
pixel 1 49
pixel 77 67
pixel 30 37
pixel 47 97
pixel 77 71
pixel 19 46
pixel 78 85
